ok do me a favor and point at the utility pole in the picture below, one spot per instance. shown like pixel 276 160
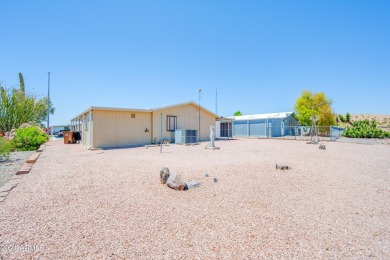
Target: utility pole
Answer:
pixel 48 102
pixel 199 91
pixel 161 142
pixel 216 101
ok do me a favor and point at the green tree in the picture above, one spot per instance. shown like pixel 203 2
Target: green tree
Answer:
pixel 238 113
pixel 348 117
pixel 309 104
pixel 17 107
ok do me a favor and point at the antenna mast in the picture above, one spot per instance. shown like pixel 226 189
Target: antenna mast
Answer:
pixel 216 101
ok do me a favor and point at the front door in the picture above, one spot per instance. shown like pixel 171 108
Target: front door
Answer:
pixel 226 130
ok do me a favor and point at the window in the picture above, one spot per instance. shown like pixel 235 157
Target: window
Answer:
pixel 171 123
pixel 132 115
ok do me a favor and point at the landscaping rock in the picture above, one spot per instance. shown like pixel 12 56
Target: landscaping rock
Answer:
pixel 174 182
pixel 281 167
pixel 206 175
pixel 191 184
pixel 321 146
pixel 164 175
pixel 215 180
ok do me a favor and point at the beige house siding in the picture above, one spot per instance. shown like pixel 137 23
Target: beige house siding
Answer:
pixel 118 128
pixel 187 118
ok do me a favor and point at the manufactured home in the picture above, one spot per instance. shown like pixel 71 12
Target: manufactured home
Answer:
pixel 265 125
pixel 103 127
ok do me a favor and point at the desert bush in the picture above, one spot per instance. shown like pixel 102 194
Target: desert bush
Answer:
pixel 5 149
pixel 365 129
pixel 29 138
pixel 348 118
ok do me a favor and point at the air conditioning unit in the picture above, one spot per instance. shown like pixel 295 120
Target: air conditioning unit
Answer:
pixel 186 136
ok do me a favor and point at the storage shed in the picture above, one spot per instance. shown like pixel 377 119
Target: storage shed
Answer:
pixel 103 127
pixel 265 125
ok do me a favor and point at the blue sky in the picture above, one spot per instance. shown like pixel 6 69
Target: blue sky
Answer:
pixel 260 55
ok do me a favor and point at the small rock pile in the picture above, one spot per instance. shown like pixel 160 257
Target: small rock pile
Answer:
pixel 174 181
pixel 281 167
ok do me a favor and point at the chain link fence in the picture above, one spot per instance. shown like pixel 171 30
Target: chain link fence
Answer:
pixel 325 133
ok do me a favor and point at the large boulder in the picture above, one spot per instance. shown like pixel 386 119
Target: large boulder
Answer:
pixel 175 182
pixel 164 175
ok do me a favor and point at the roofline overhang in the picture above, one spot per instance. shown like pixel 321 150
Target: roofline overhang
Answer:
pixel 186 103
pixel 112 109
pixel 143 110
pixel 262 116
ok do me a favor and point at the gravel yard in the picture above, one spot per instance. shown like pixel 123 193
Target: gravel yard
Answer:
pixel 332 203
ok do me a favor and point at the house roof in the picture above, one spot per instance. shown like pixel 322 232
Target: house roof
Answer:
pixel 144 110
pixel 264 116
pixel 111 109
pixel 184 104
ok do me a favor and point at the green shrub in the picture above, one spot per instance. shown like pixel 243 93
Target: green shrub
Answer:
pixel 5 149
pixel 29 138
pixel 365 129
pixel 348 117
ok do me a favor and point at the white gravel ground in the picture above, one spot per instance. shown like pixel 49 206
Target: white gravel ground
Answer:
pixel 76 203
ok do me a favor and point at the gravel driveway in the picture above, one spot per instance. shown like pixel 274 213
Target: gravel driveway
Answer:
pixel 76 203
